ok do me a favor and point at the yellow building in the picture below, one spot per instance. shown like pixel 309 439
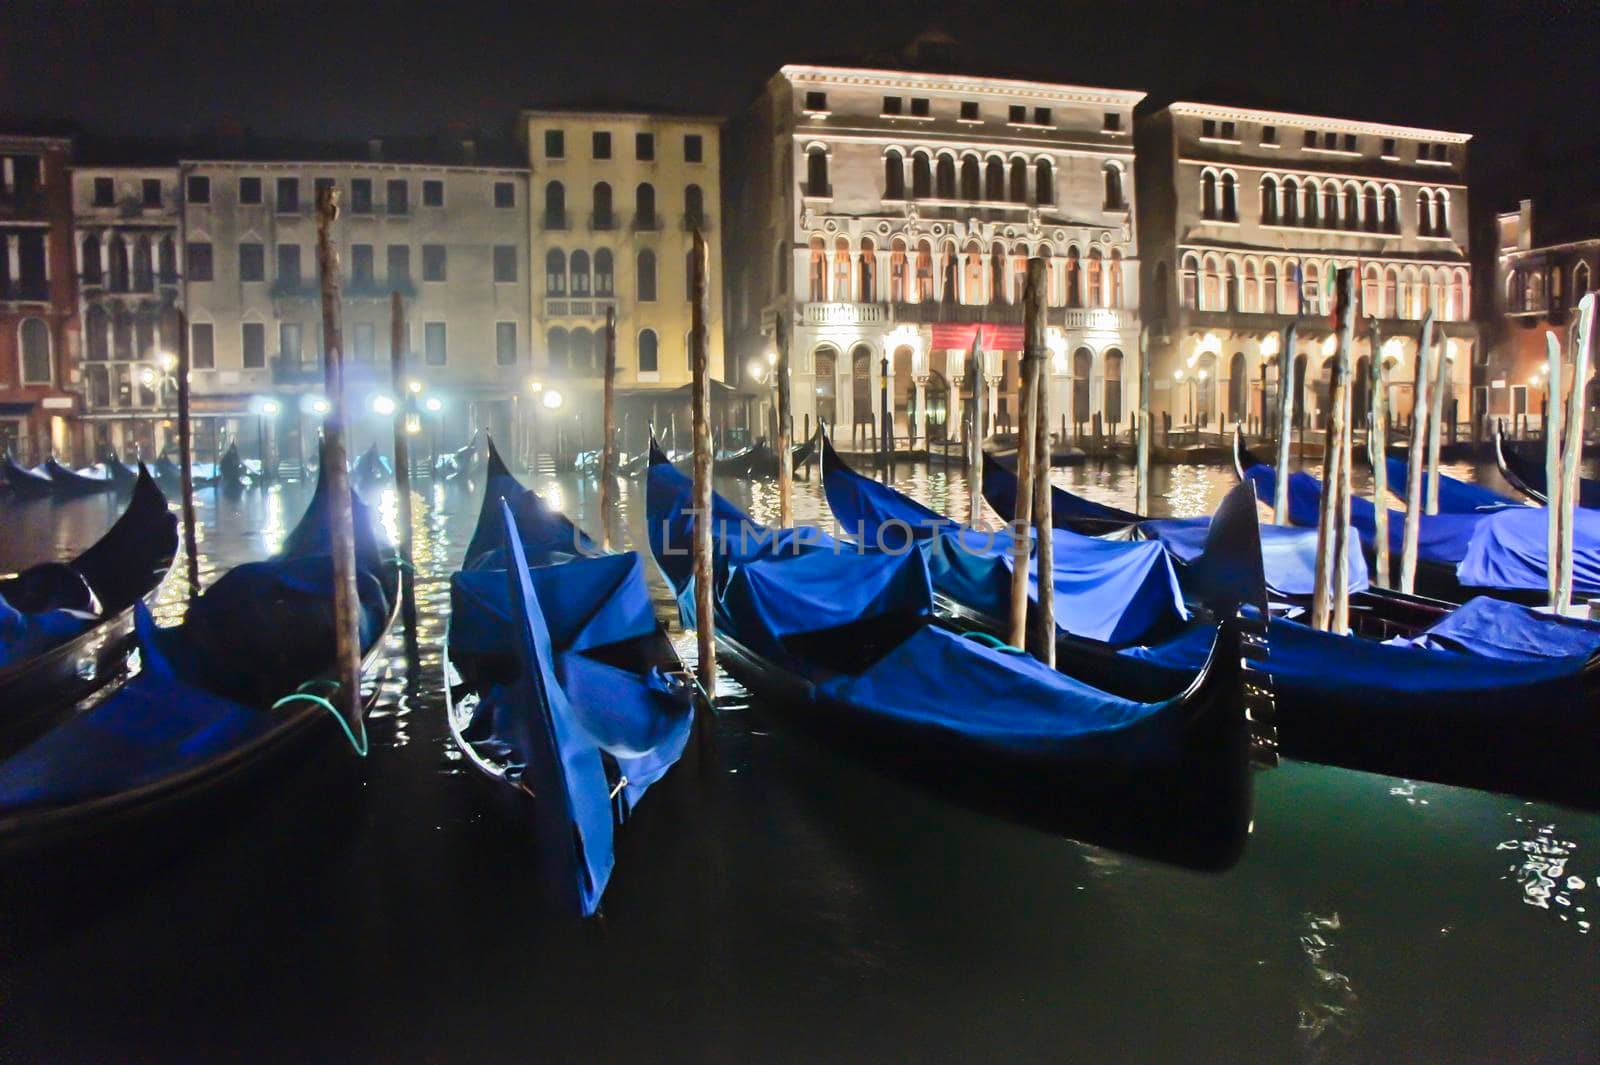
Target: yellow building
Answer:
pixel 617 198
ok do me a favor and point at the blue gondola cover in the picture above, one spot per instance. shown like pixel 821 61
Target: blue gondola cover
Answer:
pixel 1455 496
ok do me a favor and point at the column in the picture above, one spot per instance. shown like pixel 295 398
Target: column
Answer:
pixel 920 381
pixel 13 258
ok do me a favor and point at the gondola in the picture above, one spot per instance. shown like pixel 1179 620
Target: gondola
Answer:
pixel 563 691
pixel 65 481
pixel 122 475
pixel 849 643
pixel 63 625
pixel 166 471
pixel 373 468
pixel 1527 476
pixel 218 700
pixel 760 461
pixel 233 471
pixel 26 483
pixel 457 466
pixel 1067 511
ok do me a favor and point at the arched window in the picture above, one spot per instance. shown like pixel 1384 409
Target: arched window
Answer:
pixel 1230 286
pixel 559 348
pixel 605 283
pixel 145 334
pixel 694 207
pixel 603 218
pixel 1269 288
pixel 1369 209
pixel 1096 282
pixel 1269 200
pixel 143 274
pixel 1352 207
pixel 948 269
pixel 1111 404
pixel 97 326
pixel 818 272
pixel 92 272
pixel 1250 294
pixel 1082 371
pixel 649 359
pixel 1238 389
pixel 167 261
pixel 119 264
pixel 841 271
pixel 582 351
pixel 1113 181
pixel 1441 213
pixel 1391 210
pixel 1189 290
pixel 817 171
pixel 1291 288
pixel 1230 198
pixel 897 271
pixel 644 206
pixel 997 274
pixel 994 179
pixel 1019 181
pixel 1074 279
pixel 1044 183
pixel 894 175
pixel 1458 296
pixel 921 176
pixel 555 273
pixel 972 278
pixel 1580 281
pixel 34 340
pixel 1210 285
pixel 1019 274
pixel 1114 279
pixel 1424 214
pixel 1291 202
pixel 1371 293
pixel 579 268
pixel 122 334
pixel 1208 195
pixel 924 272
pixel 1330 205
pixel 646 286
pixel 867 272
pixel 1312 196
pixel 555 205
pixel 1311 288
pixel 970 183
pixel 1391 284
pixel 945 178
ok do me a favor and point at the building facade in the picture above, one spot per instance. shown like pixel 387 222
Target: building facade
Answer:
pixel 1246 217
pixel 888 217
pixel 1541 272
pixel 447 231
pixel 617 199
pixel 128 249
pixel 39 338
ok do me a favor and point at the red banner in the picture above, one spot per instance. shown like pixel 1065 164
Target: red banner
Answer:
pixel 951 336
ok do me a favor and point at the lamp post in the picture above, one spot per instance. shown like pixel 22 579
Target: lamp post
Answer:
pixel 267 408
pixel 435 406
pixel 1177 376
pixel 552 399
pixel 157 377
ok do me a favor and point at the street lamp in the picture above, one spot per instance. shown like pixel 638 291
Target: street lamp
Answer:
pixel 435 406
pixel 1178 375
pixel 383 406
pixel 265 408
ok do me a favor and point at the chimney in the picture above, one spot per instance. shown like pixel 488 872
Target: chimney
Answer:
pixel 374 148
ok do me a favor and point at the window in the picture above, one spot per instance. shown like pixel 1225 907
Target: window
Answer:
pixel 288 195
pixel 602 217
pixel 249 190
pixel 1349 142
pixel 505 194
pixel 289 265
pixel 1208 127
pixel 1041 116
pixel 1388 148
pixel 555 272
pixel 1330 141
pixel 944 185
pixel 649 358
pixel 1113 178
pixel 644 206
pixel 92 272
pixel 433 193
pixel 399 265
pixel 605 281
pixel 1208 195
pixel 647 277
pixel 202 346
pixel 361 264
pixel 253 343
pixel 168 261
pixel 1269 134
pixel 1018 192
pixel 693 148
pixel 894 176
pixel 1017 114
pixel 433 262
pixel 252 262
pixel 1391 211
pixel 321 185
pixel 433 343
pixel 1311 138
pixel 1229 131
pixel 505 263
pixel 365 342
pixel 969 178
pixel 360 195
pixel 290 345
pixel 555 205
pixel 199 255
pixel 580 274
pixel 694 207
pixel 600 144
pixel 921 176
pixel 969 110
pixel 816 101
pixel 644 147
pixel 994 179
pixel 891 105
pixel 555 144
pixel 817 172
pixel 35 337
pixel 105 192
pixel 397 197
pixel 921 107
pixel 505 343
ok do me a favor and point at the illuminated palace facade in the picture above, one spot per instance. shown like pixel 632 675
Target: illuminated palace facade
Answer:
pixel 1246 215
pixel 888 218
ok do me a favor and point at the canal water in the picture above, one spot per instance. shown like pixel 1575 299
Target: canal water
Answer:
pixel 780 901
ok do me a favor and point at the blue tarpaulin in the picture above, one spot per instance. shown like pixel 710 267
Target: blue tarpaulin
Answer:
pixel 1494 628
pixel 1508 549
pixel 24 635
pixel 1000 489
pixel 1455 496
pixel 1288 554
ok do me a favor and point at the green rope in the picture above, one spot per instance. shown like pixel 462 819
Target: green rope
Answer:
pixel 989 640
pixel 359 745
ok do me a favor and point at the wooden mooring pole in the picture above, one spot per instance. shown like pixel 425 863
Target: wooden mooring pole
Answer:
pixel 704 600
pixel 1044 627
pixel 1027 433
pixel 1414 458
pixel 1378 450
pixel 1141 482
pixel 404 411
pixel 1331 522
pixel 974 433
pixel 191 551
pixel 1286 398
pixel 608 442
pixel 1436 412
pixel 1346 316
pixel 1552 467
pixel 1572 445
pixel 785 441
pixel 341 522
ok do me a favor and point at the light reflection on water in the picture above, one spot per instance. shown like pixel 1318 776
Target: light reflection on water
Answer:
pixel 798 906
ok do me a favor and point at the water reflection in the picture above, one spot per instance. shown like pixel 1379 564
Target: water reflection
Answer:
pixel 1539 866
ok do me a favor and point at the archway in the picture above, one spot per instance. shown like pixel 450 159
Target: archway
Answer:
pixel 861 392
pixel 1082 368
pixel 825 388
pixel 908 419
pixel 937 397
pixel 1111 406
pixel 1238 389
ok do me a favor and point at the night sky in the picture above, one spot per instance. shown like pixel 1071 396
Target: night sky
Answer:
pixel 1521 77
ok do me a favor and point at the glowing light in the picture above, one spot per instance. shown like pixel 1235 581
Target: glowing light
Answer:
pixel 413 423
pixel 414 386
pixel 434 404
pixel 147 377
pixel 382 405
pixel 772 357
pixel 552 398
pixel 1269 345
pixel 535 385
pixel 755 370
pixel 270 407
pixel 168 361
pixel 1177 375
pixel 1393 350
pixel 1330 345
pixel 321 406
pixel 1204 374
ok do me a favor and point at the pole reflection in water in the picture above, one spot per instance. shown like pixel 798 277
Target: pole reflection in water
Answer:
pixel 793 903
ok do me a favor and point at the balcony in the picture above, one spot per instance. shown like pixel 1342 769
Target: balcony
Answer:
pixel 296 372
pixel 646 223
pixel 557 220
pixel 370 288
pixel 1100 319
pixel 27 205
pixel 295 289
pixel 846 313
pixel 578 306
pixel 25 290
